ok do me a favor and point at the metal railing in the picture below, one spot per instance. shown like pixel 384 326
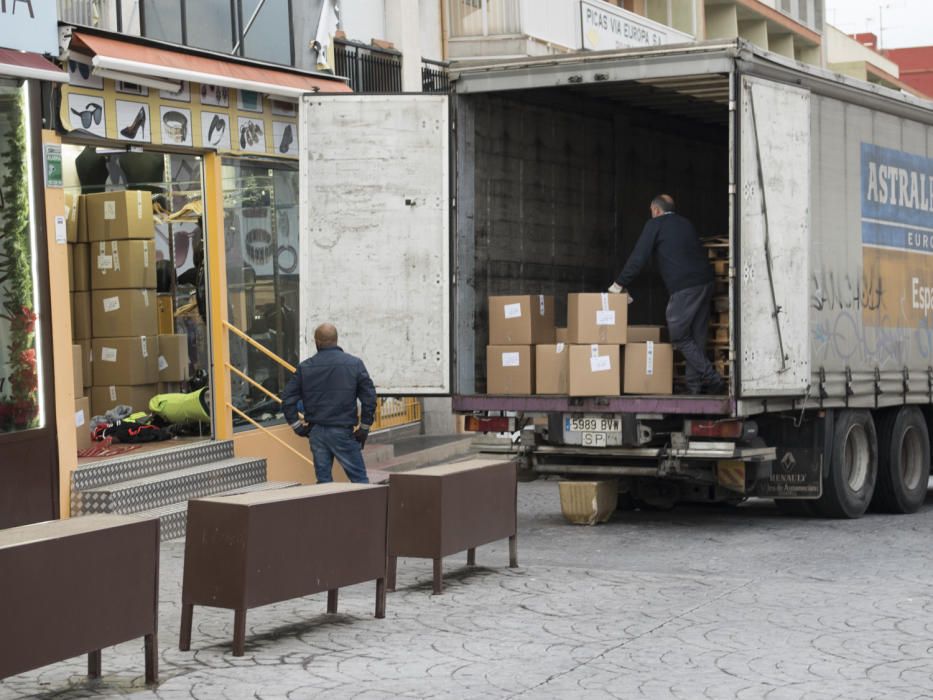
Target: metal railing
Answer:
pixel 434 77
pixel 368 68
pixel 390 412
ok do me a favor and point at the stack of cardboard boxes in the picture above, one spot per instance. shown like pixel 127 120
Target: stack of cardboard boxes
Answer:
pixel 597 354
pixel 115 314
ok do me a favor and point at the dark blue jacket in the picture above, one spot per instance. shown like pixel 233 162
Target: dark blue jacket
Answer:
pixel 328 384
pixel 682 260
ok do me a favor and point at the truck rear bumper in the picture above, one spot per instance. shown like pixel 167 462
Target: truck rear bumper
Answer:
pixel 681 405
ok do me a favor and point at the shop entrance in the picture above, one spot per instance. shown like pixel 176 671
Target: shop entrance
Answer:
pixel 136 231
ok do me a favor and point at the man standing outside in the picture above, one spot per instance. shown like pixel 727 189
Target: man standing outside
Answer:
pixel 688 276
pixel 328 385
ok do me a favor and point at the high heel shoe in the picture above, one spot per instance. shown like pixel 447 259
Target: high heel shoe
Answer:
pixel 139 122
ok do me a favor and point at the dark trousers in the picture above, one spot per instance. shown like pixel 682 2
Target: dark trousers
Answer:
pixel 328 442
pixel 688 324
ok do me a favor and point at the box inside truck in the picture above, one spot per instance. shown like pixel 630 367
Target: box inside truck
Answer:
pixel 559 185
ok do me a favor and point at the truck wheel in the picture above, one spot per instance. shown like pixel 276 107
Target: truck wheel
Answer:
pixel 853 467
pixel 903 461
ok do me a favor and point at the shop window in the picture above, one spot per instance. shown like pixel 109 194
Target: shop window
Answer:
pixel 20 359
pixel 263 41
pixel 210 25
pixel 162 20
pixel 261 229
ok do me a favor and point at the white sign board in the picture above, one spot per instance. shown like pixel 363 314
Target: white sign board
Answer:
pixel 29 25
pixel 606 27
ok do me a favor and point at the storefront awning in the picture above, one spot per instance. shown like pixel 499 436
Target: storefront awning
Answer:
pixel 137 59
pixel 29 66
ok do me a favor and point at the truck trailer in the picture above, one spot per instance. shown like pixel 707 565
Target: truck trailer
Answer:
pixel 534 175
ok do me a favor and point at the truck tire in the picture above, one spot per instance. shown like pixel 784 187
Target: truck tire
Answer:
pixel 903 461
pixel 849 485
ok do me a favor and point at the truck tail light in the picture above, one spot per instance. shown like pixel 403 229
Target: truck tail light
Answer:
pixel 733 429
pixel 478 424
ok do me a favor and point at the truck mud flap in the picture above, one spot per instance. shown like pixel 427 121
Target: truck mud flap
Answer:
pixel 796 473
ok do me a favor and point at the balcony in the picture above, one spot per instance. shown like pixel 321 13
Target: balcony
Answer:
pixel 486 29
pixel 368 68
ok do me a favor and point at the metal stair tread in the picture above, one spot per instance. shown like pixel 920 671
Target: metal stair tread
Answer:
pixel 165 452
pixel 182 505
pixel 173 475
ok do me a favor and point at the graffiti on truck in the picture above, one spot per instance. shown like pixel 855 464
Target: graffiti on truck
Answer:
pixel 845 292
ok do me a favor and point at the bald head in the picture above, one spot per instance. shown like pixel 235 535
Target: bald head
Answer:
pixel 662 204
pixel 325 336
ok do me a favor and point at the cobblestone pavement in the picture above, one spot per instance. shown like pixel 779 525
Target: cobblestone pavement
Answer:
pixel 701 602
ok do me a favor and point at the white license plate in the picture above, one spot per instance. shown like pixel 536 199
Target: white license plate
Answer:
pixel 593 424
pixel 593 430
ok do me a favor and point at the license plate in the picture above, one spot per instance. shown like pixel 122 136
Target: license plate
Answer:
pixel 593 430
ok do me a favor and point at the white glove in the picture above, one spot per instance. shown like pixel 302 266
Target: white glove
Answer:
pixel 616 288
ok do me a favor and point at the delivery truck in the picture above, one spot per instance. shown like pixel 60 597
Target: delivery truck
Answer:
pixel 534 176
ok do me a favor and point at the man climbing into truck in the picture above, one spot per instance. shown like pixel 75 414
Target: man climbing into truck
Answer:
pixel 688 276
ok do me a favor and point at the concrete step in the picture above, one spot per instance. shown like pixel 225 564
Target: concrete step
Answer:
pixel 173 518
pixel 377 453
pixel 163 489
pixel 125 468
pixel 423 450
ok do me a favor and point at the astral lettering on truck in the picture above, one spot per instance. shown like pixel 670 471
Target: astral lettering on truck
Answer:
pixel 921 297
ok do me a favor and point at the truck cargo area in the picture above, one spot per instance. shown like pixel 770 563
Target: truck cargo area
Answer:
pixel 553 188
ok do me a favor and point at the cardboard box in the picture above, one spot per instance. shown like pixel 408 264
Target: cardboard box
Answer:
pixel 552 369
pixel 588 502
pixel 510 369
pixel 595 370
pixel 123 265
pixel 645 334
pixel 649 368
pixel 75 219
pixel 77 364
pixel 166 314
pixel 130 361
pixel 83 422
pixel 560 335
pixel 117 313
pixel 597 318
pixel 173 358
pixel 119 215
pixel 103 398
pixel 521 320
pixel 81 315
pixel 87 359
pixel 79 267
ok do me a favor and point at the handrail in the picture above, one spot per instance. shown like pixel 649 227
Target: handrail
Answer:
pixel 256 384
pixel 259 346
pixel 269 433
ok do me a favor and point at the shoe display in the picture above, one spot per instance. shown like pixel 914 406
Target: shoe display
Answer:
pixel 217 128
pixel 287 139
pixel 139 122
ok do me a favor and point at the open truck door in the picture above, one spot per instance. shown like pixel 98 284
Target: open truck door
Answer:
pixel 375 238
pixel 774 243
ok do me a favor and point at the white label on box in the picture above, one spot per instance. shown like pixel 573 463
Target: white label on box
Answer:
pixel 649 359
pixel 79 418
pixel 513 310
pixel 110 211
pixel 541 304
pixel 108 354
pixel 61 232
pixel 605 318
pixel 146 254
pixel 163 363
pixel 144 345
pixel 113 393
pixel 600 363
pixel 104 262
pixel 604 297
pixel 511 359
pixel 139 205
pixel 111 304
pixel 594 351
pixel 116 256
pixel 560 348
pixel 145 296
